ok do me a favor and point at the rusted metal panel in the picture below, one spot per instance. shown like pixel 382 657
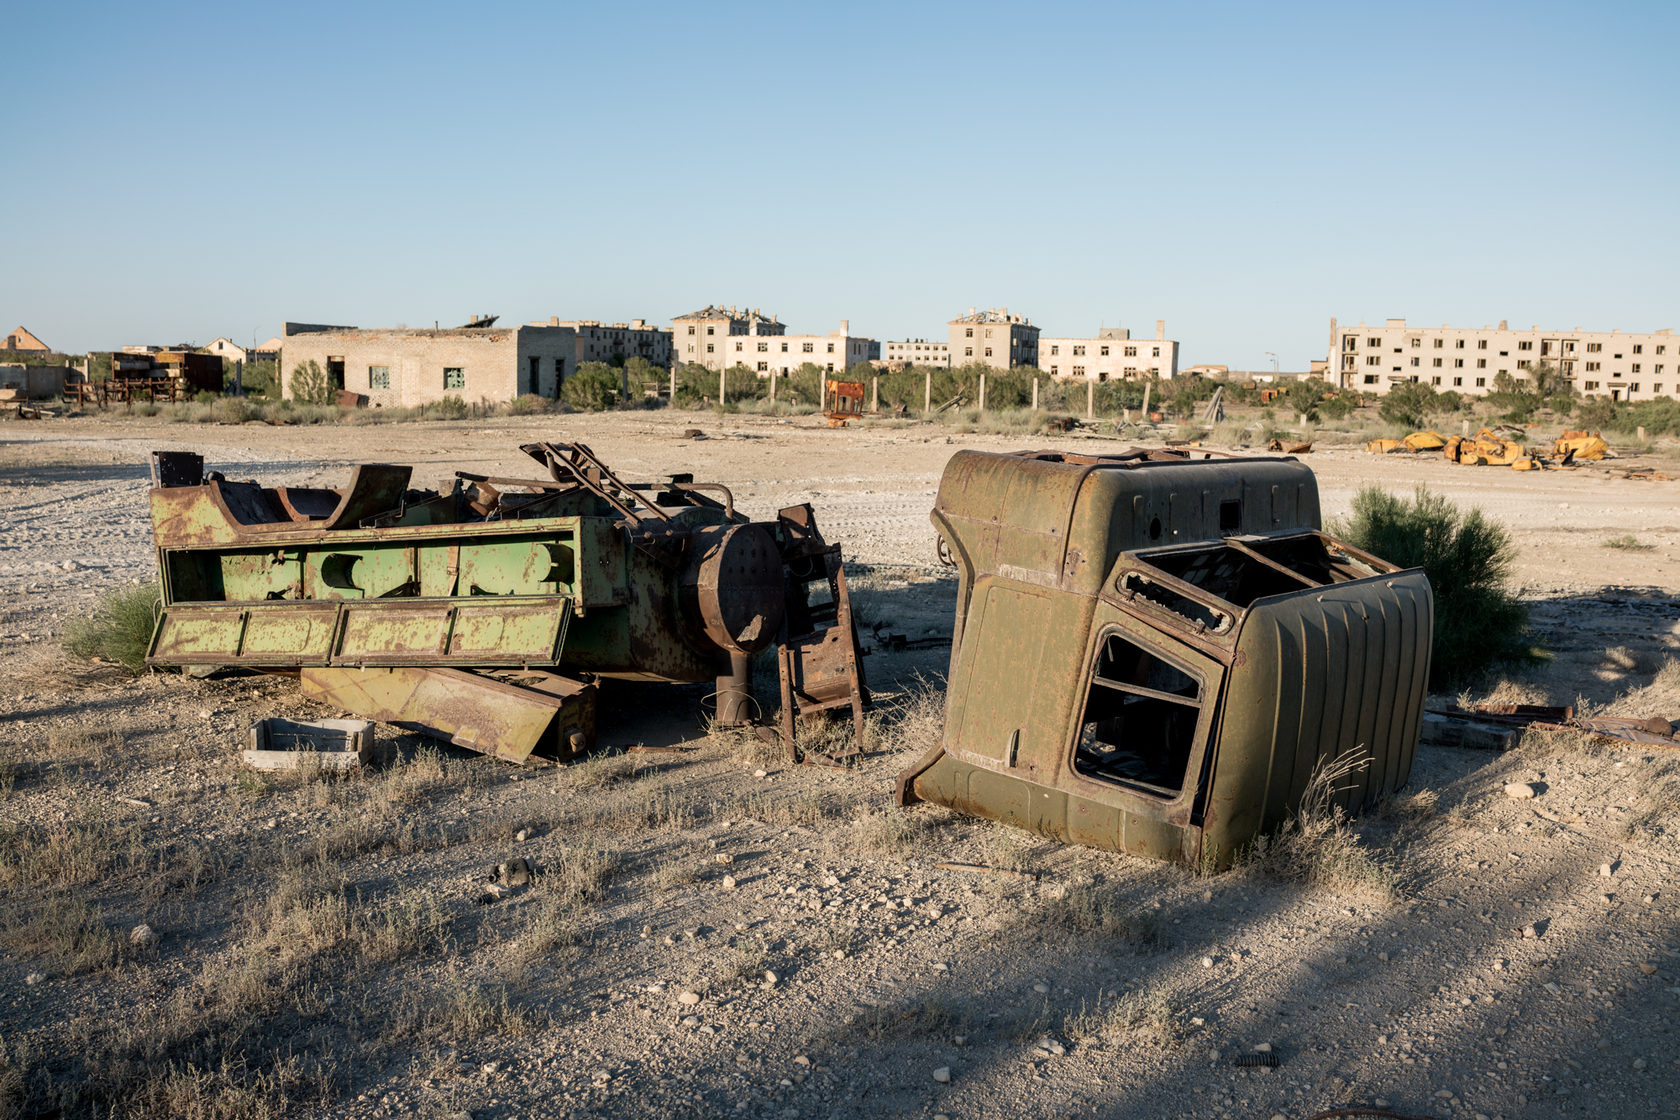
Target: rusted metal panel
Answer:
pixel 511 717
pixel 1153 654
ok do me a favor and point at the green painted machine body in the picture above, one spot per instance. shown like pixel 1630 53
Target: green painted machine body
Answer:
pixel 377 575
pixel 1152 654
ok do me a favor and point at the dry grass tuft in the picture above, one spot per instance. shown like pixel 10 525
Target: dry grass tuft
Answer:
pixel 1146 1015
pixel 1319 845
pixel 913 721
pixel 1091 908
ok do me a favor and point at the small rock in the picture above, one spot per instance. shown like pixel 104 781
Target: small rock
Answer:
pixel 1042 989
pixel 942 1075
pixel 1606 870
pixel 959 1039
pixel 1213 1055
pixel 729 882
pixel 144 936
pixel 1207 962
pixel 690 1021
pixel 760 774
pixel 1263 1048
pixel 1056 1049
pixel 35 978
pixel 723 857
pixel 602 1076
pixel 770 978
pixel 688 999
pixel 493 892
pixel 801 1060
pixel 839 954
pixel 522 835
pixel 1648 968
pixel 490 1067
pixel 1519 791
pixel 1530 933
pixel 1639 1063
pixel 1552 987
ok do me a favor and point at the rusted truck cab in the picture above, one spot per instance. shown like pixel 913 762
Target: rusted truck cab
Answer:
pixel 1152 653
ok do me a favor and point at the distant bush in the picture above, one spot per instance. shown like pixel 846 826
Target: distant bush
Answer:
pixel 1410 404
pixel 529 404
pixel 235 410
pixel 449 408
pixel 1467 557
pixel 593 388
pixel 309 383
pixel 120 628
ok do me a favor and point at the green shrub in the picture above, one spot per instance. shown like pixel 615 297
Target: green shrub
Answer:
pixel 1467 558
pixel 234 410
pixel 1409 403
pixel 593 388
pixel 120 628
pixel 449 408
pixel 528 404
pixel 309 383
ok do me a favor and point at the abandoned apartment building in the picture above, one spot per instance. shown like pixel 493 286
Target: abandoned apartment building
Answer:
pixel 1623 366
pixel 1112 355
pixel 404 367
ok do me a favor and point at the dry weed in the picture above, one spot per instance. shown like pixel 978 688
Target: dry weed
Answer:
pixel 912 721
pixel 1091 908
pixel 1319 845
pixel 1148 1015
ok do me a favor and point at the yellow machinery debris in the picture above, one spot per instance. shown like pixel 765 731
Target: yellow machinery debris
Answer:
pixel 1416 442
pixel 1579 445
pixel 1485 449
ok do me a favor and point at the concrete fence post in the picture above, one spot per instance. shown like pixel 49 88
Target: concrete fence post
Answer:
pixel 1090 399
pixel 982 392
pixel 927 392
pixel 673 387
pixel 722 383
pixel 772 386
pixel 822 392
pixel 875 396
pixel 1035 394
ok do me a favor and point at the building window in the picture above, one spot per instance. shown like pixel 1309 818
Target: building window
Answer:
pixel 1079 351
pixel 1481 363
pixel 1373 342
pixel 1417 361
pixel 1634 388
pixel 691 329
pixel 1638 348
pixel 1592 347
pixel 1662 349
pixel 1370 379
pixel 1635 367
pixel 1055 370
pixel 831 348
pixel 1131 351
pixel 968 351
pixel 1105 351
pixel 1079 371
pixel 1055 350
pixel 379 377
pixel 809 347
pixel 1569 346
pixel 1657 388
pixel 1657 368
pixel 1458 363
pixel 1439 344
pixel 1459 344
pixel 1154 351
pixel 1524 363
pixel 763 347
pixel 708 348
pixel 1417 343
pixel 1481 382
pixel 1437 363
pixel 1589 386
pixel 454 377
pixel 1436 380
pixel 1530 346
pixel 784 348
pixel 708 330
pixel 762 366
pixel 1481 344
pixel 988 351
pixel 1457 381
pixel 1592 367
pixel 969 333
pixel 1374 360
pixel 988 332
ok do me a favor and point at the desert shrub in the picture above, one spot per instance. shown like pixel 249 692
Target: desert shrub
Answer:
pixel 528 404
pixel 1595 413
pixel 1410 404
pixel 120 628
pixel 1318 844
pixel 593 388
pixel 1467 557
pixel 234 410
pixel 449 408
pixel 309 383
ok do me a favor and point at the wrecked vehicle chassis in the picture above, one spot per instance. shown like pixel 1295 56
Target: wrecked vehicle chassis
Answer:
pixel 1154 654
pixel 486 613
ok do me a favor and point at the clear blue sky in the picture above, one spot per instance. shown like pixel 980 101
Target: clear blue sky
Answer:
pixel 181 171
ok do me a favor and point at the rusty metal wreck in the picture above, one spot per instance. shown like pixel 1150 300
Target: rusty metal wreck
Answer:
pixel 1154 653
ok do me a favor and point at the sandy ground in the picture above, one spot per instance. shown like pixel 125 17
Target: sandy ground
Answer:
pixel 323 951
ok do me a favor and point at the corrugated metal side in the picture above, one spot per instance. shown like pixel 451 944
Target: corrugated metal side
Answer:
pixel 1320 673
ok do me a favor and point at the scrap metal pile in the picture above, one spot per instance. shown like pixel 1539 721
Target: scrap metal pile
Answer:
pixel 1497 448
pixel 1156 654
pixel 486 612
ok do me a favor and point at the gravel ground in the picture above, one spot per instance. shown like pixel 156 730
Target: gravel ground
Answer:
pixel 715 933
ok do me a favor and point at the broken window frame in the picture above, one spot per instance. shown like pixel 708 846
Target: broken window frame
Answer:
pixel 1207 684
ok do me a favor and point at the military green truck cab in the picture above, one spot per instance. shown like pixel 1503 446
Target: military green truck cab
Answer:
pixel 1153 653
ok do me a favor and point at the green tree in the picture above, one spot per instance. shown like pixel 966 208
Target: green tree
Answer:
pixel 593 388
pixel 1410 403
